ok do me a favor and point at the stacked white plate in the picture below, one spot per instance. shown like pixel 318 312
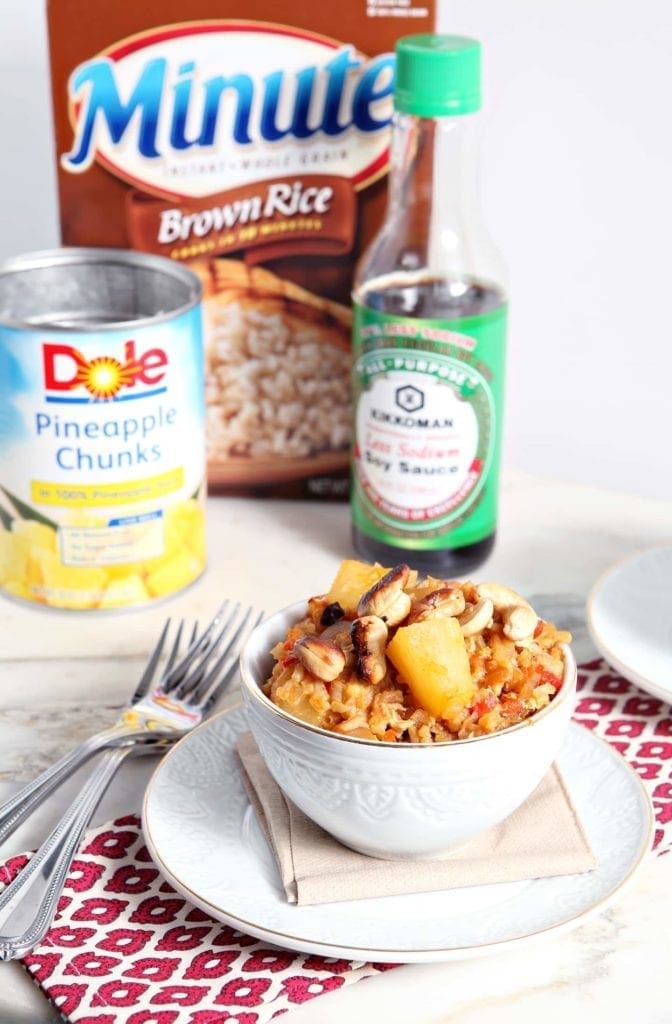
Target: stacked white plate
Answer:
pixel 630 619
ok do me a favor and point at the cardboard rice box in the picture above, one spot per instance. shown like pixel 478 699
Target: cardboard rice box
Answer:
pixel 250 139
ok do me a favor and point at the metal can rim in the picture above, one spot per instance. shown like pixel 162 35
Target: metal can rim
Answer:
pixel 74 255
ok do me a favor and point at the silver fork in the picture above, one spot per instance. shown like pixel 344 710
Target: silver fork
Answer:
pixel 188 689
pixel 132 728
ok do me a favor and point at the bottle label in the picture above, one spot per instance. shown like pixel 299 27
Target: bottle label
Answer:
pixel 427 406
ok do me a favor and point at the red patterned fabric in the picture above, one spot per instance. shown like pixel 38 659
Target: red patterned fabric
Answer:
pixel 639 726
pixel 126 949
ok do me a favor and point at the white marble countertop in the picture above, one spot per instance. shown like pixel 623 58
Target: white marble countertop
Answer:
pixel 63 674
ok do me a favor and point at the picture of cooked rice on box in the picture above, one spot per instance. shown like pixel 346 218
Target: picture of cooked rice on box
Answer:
pixel 278 376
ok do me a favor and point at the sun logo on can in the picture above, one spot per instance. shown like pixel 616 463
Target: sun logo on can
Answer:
pixel 104 377
pixel 66 369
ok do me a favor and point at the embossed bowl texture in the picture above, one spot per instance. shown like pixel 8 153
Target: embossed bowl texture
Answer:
pixel 398 801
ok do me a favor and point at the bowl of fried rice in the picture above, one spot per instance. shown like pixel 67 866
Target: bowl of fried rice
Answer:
pixel 405 715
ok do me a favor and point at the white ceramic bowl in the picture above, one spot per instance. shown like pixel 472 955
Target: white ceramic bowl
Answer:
pixel 398 801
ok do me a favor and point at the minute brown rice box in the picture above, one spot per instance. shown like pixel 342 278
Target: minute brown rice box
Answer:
pixel 249 139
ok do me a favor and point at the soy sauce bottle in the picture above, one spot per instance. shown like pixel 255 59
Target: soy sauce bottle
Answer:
pixel 429 331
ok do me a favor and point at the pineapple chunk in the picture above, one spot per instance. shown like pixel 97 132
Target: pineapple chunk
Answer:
pixel 185 528
pixel 302 709
pixel 431 658
pixel 125 570
pixel 122 592
pixel 18 589
pixel 173 573
pixel 69 586
pixel 39 534
pixel 352 580
pixel 14 557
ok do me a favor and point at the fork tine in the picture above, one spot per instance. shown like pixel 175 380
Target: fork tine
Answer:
pixel 211 671
pixel 173 676
pixel 220 673
pixel 214 641
pixel 179 683
pixel 174 649
pixel 150 668
pixel 205 637
pixel 195 686
pixel 221 685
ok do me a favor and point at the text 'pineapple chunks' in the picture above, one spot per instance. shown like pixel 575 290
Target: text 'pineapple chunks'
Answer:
pixel 352 580
pixel 431 658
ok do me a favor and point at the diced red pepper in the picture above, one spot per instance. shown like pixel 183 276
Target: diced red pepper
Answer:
pixel 289 661
pixel 538 629
pixel 551 678
pixel 485 704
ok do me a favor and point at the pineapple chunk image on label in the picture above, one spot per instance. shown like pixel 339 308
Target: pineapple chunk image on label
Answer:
pixel 128 590
pixel 39 534
pixel 70 586
pixel 185 528
pixel 173 574
pixel 14 557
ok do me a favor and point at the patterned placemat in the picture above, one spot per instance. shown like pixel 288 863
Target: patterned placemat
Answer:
pixel 125 948
pixel 639 726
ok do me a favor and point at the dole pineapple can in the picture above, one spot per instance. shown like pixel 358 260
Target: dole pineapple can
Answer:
pixel 102 452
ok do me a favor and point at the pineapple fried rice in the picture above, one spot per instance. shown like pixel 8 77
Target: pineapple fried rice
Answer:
pixel 384 656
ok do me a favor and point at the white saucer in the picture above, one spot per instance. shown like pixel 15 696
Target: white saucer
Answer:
pixel 202 833
pixel 629 616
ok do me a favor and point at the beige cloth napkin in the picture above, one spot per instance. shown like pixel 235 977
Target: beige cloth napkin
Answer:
pixel 542 838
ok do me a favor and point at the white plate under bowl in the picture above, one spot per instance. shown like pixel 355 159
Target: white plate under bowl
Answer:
pixel 629 614
pixel 203 835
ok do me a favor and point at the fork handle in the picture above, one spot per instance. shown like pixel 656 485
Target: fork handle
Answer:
pixel 28 904
pixel 14 810
pixel 23 803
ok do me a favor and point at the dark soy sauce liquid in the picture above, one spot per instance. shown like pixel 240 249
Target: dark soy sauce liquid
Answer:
pixel 433 299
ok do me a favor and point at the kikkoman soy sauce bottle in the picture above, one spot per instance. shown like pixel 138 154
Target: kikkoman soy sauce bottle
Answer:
pixel 429 331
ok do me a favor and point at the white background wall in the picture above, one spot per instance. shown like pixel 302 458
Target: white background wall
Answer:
pixel 577 180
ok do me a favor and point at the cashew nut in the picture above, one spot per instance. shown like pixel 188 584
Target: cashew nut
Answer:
pixel 339 634
pixel 476 618
pixel 322 658
pixel 519 622
pixel 501 596
pixel 387 598
pixel 369 637
pixel 518 615
pixel 445 602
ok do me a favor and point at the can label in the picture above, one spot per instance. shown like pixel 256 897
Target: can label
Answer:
pixel 101 463
pixel 427 395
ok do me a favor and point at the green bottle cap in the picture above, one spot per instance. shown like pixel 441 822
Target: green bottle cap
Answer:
pixel 438 75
